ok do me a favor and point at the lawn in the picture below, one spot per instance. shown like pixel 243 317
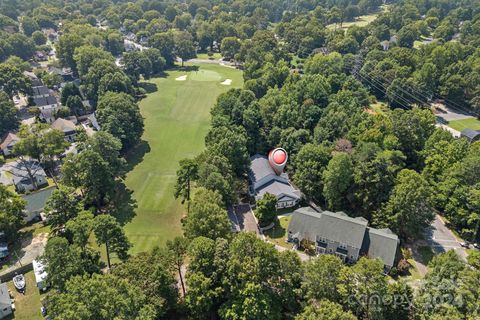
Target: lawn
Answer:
pixel 27 306
pixel 204 56
pixel 177 118
pixel 470 123
pixel 360 21
pixel 278 234
pixel 426 253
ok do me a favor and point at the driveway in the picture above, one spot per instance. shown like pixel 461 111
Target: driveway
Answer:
pixel 31 249
pixel 441 239
pixel 246 220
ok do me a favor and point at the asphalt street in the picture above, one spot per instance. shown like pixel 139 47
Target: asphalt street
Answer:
pixel 441 239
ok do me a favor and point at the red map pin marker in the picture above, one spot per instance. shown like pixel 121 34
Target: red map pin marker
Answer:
pixel 278 159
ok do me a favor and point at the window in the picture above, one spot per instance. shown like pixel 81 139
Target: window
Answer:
pixel 343 246
pixel 322 239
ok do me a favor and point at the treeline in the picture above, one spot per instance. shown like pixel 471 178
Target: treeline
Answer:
pixel 385 167
pixel 243 277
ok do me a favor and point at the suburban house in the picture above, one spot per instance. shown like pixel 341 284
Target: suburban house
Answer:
pixel 40 92
pixel 36 202
pixel 346 237
pixel 20 171
pixel 40 56
pixel 47 106
pixel 65 73
pixel 5 301
pixel 470 134
pixel 67 127
pixel 263 179
pixel 8 142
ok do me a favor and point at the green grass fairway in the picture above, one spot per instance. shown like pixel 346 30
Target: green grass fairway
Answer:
pixel 360 21
pixel 470 123
pixel 177 118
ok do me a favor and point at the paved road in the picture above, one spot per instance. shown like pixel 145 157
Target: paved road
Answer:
pixel 441 239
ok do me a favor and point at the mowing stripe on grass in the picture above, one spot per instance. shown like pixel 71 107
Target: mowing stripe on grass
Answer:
pixel 177 118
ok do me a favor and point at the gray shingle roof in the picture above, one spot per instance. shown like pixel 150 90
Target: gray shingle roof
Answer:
pixel 18 169
pixel 334 226
pixel 40 91
pixel 264 180
pixel 381 244
pixel 308 224
pixel 36 201
pixel 45 101
pixel 5 300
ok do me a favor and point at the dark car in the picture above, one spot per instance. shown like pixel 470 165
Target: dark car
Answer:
pixel 465 244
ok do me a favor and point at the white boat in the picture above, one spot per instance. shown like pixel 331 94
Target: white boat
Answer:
pixel 19 282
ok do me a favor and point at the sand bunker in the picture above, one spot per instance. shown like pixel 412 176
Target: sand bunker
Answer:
pixel 181 78
pixel 227 82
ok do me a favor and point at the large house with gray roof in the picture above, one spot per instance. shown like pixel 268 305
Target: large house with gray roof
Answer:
pixel 346 237
pixel 263 179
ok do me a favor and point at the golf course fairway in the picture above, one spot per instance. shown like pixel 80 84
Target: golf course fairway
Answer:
pixel 177 119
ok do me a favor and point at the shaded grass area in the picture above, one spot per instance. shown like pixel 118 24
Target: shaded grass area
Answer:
pixel 27 306
pixel 177 118
pixel 470 123
pixel 204 56
pixel 426 253
pixel 278 234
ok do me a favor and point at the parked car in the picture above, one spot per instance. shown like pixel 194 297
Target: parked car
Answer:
pixel 476 246
pixel 465 244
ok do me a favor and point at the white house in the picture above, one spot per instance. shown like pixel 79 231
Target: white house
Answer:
pixel 5 301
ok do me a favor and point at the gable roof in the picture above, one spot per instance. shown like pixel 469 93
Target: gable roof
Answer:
pixel 18 169
pixel 265 180
pixel 45 101
pixel 381 244
pixel 335 226
pixel 64 125
pixel 10 139
pixel 36 201
pixel 339 227
pixel 40 91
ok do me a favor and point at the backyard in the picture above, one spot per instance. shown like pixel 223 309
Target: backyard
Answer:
pixel 27 306
pixel 278 234
pixel 177 118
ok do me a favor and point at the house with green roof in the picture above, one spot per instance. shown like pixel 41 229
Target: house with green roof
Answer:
pixel 346 237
